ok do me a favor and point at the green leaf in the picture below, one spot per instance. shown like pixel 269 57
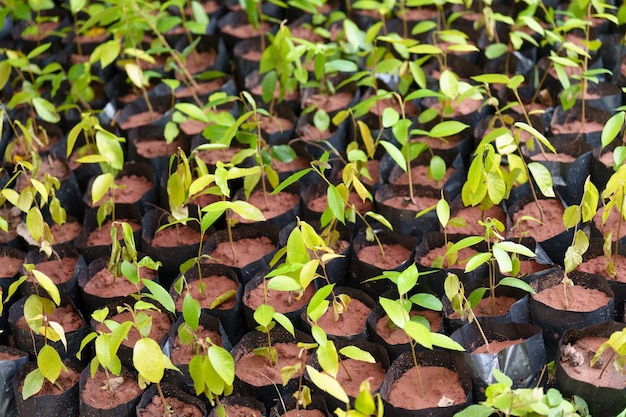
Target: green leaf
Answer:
pixel 283 283
pixel 264 314
pixel 358 354
pixel 191 311
pixel 476 410
pixel 32 383
pixel 476 261
pixel 612 128
pixel 335 203
pixel 395 154
pixel 428 301
pixel 393 308
pixel 542 177
pixel 419 333
pixel 246 210
pixel 285 322
pixel 445 342
pixel 443 212
pixel 447 128
pixel 49 363
pixel 516 283
pixel 148 360
pixel 268 86
pixel 341 65
pixel 160 294
pixel 327 384
pixel 571 217
pixel 48 285
pixel 46 110
pixel 223 363
pixel 536 134
pixel 407 279
pixel 390 117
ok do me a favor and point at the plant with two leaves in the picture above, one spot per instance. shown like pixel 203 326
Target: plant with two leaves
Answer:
pixel 504 401
pixel 37 312
pixel 573 216
pixel 267 317
pixel 416 327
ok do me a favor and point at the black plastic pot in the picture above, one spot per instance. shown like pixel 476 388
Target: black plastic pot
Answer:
pixel 404 363
pixel 49 405
pixel 602 401
pixel 230 318
pixel 361 271
pixel 553 322
pixel 564 117
pixel 266 393
pixel 127 409
pixel 523 362
pixel 170 391
pixel 8 368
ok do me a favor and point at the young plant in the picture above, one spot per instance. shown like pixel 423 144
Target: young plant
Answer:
pixel 617 343
pixel 572 218
pixel 267 317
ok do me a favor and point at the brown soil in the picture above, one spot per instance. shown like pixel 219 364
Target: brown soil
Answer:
pixel 66 232
pixel 295 165
pixel 10 266
pixel 359 371
pixel 247 250
pixel 404 203
pixel 612 223
pixel 437 383
pixel 302 413
pixel 319 204
pixel 373 169
pixel 528 267
pixel 552 220
pixel 270 205
pixel 465 107
pixel 282 301
pixel 160 325
pixel 175 407
pixel 216 285
pixel 496 346
pixel 394 335
pixel 598 265
pixel 420 175
pixel 192 127
pixel 280 124
pixel 5 356
pixel 183 353
pixel 58 272
pixel 437 143
pixel 133 187
pixel 43 30
pixel 198 61
pixel 255 369
pixel 67 379
pixel 204 200
pixel 553 157
pixel 253 55
pixel 306 33
pixel 575 362
pixel 176 235
pixel 575 126
pixel 472 215
pixel 66 316
pixel 394 255
pixel 236 410
pixel 246 31
pixel 275 124
pixel 351 322
pixel 53 166
pixel 140 119
pixel 200 88
pixel 96 392
pixel 102 235
pixel 104 284
pixel 155 148
pixel 484 308
pixel 462 257
pixel 213 156
pixel 330 104
pixel 580 299
pixel 607 158
pixel 312 133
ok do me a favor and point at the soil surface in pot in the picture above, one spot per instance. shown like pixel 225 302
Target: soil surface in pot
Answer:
pixel 105 285
pixel 552 219
pixel 420 175
pixel 330 103
pixel 200 88
pixel 472 215
pixel 67 379
pixel 303 413
pixel 309 132
pixel 295 164
pixel 255 369
pixel 207 290
pixel 580 299
pixel 282 301
pixel 154 148
pixel 53 166
pixel 351 322
pixel 236 410
pixel 319 204
pixel 576 126
pixel 140 119
pixel 395 254
pixel 132 188
pixel 58 271
pixel 441 386
pixel 359 371
pixel 598 265
pixel 66 232
pixel 449 142
pixel 396 336
pixel 275 124
pixel 175 407
pixel 160 325
pixel 485 309
pixel 102 235
pixel 198 61
pixel 434 254
pixel 66 316
pixel 575 362
pixel 104 394
pixel 10 266
pixel 175 236
pixel 246 31
pixel 270 205
pixel 248 250
pixel 553 157
pixel 183 353
pixel 405 203
pixel 496 346
pixel 612 223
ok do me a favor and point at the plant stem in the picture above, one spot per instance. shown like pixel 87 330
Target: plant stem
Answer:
pixel 343 365
pixel 606 365
pixel 417 369
pixel 165 411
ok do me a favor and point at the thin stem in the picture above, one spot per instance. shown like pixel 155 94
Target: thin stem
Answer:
pixel 606 365
pixel 165 410
pixel 417 369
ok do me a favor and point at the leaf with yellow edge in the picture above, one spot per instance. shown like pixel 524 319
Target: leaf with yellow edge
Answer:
pixel 328 384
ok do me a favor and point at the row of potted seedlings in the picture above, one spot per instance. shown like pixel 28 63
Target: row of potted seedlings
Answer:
pixel 312 277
